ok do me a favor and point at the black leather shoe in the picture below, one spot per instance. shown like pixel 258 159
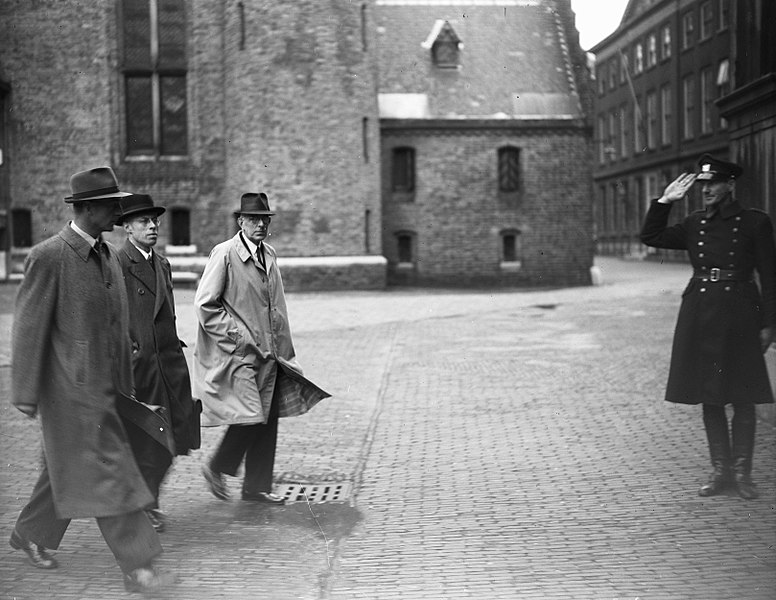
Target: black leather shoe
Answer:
pixel 717 482
pixel 265 497
pixel 37 555
pixel 216 483
pixel 158 519
pixel 147 579
pixel 745 487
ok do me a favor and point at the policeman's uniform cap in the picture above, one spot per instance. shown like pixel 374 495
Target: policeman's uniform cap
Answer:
pixel 712 169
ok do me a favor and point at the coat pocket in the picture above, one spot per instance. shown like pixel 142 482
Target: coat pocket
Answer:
pixel 81 359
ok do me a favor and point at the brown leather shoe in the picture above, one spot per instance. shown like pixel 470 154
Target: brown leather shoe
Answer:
pixel 265 497
pixel 216 483
pixel 147 579
pixel 158 519
pixel 37 555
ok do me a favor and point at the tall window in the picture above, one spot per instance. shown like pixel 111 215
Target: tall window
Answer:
pixel 623 67
pixel 665 43
pixel 723 12
pixel 180 228
pixel 666 111
pixel 613 73
pixel 688 30
pixel 601 140
pixel 638 128
pixel 624 123
pixel 601 77
pixel 688 100
pixel 508 169
pixel 403 175
pixel 405 247
pixel 651 120
pixel 611 148
pixel 154 69
pixel 638 58
pixel 723 86
pixel 707 20
pixel 510 246
pixel 707 100
pixel 21 222
pixel 651 50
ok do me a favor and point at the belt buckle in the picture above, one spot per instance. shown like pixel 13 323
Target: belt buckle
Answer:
pixel 714 274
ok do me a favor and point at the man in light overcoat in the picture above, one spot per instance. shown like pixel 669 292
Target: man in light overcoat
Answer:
pixel 161 375
pixel 71 365
pixel 245 367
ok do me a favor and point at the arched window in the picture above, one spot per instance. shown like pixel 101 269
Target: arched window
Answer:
pixel 509 169
pixel 403 170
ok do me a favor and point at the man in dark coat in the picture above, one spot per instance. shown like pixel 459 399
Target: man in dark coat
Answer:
pixel 159 366
pixel 71 364
pixel 726 319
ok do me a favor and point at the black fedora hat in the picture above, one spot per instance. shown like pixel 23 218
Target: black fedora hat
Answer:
pixel 138 203
pixel 94 184
pixel 254 204
pixel 712 169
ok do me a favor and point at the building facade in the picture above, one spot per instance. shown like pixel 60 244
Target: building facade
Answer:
pixel 658 78
pixel 196 102
pixel 485 143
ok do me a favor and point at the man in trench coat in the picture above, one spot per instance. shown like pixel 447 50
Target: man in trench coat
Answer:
pixel 726 319
pixel 245 368
pixel 71 365
pixel 161 374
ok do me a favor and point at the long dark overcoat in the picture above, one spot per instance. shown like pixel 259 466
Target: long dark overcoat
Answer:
pixel 244 349
pixel 71 358
pixel 161 373
pixel 716 357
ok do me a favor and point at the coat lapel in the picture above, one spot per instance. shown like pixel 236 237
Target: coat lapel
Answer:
pixel 139 268
pixel 161 283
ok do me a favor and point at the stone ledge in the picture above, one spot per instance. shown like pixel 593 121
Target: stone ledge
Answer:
pixel 304 273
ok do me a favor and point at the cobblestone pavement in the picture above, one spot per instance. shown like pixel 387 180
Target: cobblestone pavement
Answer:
pixel 491 445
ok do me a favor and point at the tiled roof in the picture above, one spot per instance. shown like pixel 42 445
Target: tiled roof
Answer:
pixel 510 50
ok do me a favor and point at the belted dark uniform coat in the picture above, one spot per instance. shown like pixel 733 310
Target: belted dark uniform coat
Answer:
pixel 71 358
pixel 716 357
pixel 161 374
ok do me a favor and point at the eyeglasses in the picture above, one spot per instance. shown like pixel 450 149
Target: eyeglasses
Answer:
pixel 146 221
pixel 255 219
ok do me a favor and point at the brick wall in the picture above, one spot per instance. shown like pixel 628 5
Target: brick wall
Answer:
pixel 458 213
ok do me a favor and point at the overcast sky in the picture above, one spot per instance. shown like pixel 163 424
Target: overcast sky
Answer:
pixel 596 19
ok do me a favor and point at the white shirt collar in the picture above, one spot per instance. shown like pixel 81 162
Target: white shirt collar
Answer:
pixel 89 239
pixel 146 254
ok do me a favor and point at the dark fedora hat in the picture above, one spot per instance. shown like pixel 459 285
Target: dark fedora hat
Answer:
pixel 94 184
pixel 254 204
pixel 136 204
pixel 712 169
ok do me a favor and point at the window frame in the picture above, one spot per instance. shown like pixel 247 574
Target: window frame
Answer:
pixel 156 81
pixel 707 85
pixel 666 42
pixel 407 186
pixel 688 30
pixel 688 107
pixel 706 20
pixel 509 165
pixel 666 115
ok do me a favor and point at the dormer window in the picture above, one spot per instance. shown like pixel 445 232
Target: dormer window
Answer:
pixel 445 45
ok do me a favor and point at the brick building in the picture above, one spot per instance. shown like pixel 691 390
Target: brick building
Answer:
pixel 485 170
pixel 195 102
pixel 658 77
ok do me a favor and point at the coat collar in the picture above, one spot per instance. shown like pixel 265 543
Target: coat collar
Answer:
pixel 730 209
pixel 244 254
pixel 140 269
pixel 76 242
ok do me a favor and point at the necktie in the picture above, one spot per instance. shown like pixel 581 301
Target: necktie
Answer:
pixel 260 256
pixel 151 261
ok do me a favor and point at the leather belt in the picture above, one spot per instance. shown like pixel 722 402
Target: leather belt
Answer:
pixel 716 274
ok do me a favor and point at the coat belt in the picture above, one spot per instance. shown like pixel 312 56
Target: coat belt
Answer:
pixel 716 274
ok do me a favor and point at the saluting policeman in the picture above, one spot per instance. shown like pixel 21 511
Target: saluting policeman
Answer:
pixel 726 319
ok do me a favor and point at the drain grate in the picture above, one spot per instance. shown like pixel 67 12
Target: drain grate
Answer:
pixel 315 492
